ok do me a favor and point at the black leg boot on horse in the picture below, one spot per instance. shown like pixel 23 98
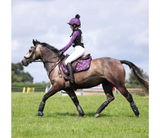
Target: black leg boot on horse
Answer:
pixel 71 75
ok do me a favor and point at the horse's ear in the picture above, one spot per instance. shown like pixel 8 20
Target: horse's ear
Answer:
pixel 34 42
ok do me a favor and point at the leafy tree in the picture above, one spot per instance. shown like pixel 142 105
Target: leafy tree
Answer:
pixel 16 78
pixel 17 68
pixel 18 75
pixel 26 77
pixel 132 79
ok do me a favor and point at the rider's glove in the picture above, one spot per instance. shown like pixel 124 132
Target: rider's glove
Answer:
pixel 61 52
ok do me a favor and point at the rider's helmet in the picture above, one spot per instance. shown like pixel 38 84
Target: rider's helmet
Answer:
pixel 75 22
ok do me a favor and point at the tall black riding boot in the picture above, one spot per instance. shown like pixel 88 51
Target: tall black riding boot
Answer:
pixel 71 75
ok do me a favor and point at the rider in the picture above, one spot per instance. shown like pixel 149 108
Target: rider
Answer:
pixel 77 42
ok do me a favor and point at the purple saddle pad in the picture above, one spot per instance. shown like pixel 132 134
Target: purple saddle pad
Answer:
pixel 78 65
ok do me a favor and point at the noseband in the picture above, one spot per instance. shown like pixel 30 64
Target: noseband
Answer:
pixel 29 59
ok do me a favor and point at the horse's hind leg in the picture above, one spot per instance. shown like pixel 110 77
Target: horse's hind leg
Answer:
pixel 107 87
pixel 129 98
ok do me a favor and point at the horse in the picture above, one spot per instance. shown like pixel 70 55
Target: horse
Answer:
pixel 106 71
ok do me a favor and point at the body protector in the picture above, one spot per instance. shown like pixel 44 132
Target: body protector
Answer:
pixel 79 39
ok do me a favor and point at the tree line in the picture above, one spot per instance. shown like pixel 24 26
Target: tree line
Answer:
pixel 18 74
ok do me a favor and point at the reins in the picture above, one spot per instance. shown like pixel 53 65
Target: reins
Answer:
pixel 39 60
pixel 49 72
pixel 57 62
pixel 44 62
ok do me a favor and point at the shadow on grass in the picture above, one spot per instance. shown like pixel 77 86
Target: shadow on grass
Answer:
pixel 88 114
pixel 65 114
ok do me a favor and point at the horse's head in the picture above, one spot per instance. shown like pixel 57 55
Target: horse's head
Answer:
pixel 42 51
pixel 31 55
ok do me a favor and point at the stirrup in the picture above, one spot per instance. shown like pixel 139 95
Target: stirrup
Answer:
pixel 66 78
pixel 72 81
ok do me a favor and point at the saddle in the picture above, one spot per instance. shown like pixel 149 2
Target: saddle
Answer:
pixel 81 64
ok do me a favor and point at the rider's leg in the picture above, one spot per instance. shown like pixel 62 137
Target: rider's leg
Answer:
pixel 71 74
pixel 79 51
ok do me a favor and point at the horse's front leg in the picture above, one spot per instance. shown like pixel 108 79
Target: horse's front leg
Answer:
pixel 51 92
pixel 73 96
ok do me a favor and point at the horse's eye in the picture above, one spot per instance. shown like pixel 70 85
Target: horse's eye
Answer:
pixel 30 51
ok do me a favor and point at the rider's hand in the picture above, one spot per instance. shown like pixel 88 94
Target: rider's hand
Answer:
pixel 61 53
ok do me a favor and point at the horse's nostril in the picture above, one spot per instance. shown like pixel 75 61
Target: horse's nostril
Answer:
pixel 24 63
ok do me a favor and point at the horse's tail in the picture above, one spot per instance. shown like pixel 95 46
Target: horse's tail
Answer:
pixel 137 73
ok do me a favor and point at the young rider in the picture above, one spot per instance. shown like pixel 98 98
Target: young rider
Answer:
pixel 77 42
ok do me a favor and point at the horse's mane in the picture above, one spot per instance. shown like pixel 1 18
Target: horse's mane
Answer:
pixel 55 50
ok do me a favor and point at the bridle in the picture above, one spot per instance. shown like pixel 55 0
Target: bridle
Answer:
pixel 30 59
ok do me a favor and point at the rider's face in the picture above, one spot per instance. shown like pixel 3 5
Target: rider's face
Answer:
pixel 71 27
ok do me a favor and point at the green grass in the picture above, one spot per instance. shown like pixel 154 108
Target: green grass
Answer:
pixel 61 120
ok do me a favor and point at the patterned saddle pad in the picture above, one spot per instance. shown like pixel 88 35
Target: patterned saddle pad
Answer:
pixel 81 64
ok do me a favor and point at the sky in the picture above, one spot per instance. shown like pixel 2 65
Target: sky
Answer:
pixel 111 28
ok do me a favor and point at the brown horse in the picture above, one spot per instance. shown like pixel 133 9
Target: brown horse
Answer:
pixel 106 71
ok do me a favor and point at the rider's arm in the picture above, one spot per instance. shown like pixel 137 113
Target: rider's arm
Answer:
pixel 75 34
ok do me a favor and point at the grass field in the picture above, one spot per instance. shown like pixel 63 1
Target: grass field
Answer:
pixel 61 120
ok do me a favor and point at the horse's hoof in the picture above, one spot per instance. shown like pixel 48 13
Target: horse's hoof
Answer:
pixel 80 116
pixel 40 114
pixel 97 115
pixel 137 116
